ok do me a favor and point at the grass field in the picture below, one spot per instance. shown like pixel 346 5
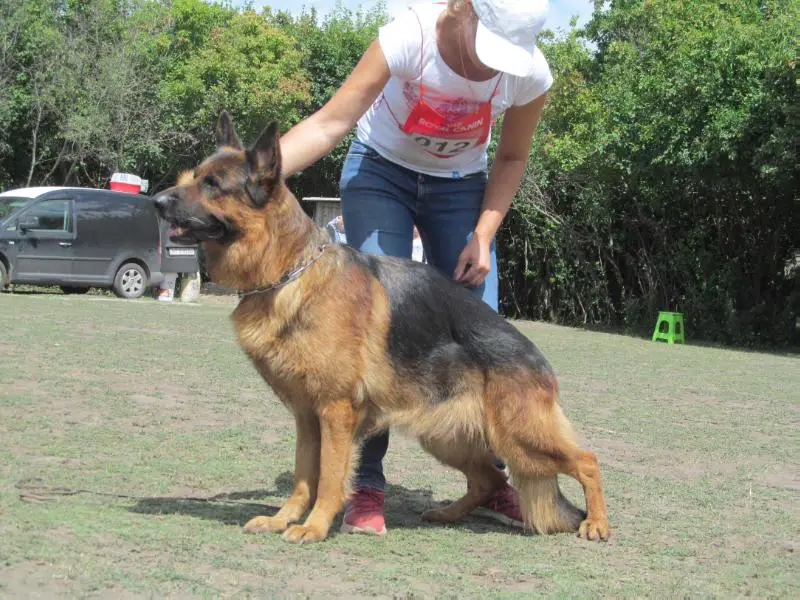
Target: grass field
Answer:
pixel 136 439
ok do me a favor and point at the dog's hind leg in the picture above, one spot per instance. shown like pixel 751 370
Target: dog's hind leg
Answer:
pixel 338 421
pixel 530 432
pixel 306 478
pixel 545 509
pixel 582 465
pixel 477 463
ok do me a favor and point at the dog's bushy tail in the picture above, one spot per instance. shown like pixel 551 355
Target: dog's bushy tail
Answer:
pixel 544 508
pixel 530 432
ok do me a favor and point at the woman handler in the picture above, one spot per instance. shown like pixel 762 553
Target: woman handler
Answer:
pixel 424 98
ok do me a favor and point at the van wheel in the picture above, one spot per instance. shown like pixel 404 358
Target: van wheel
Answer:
pixel 3 276
pixel 131 281
pixel 69 289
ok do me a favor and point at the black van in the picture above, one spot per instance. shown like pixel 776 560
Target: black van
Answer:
pixel 79 238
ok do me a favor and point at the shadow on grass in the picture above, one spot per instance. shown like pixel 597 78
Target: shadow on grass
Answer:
pixel 57 291
pixel 403 507
pixel 34 292
pixel 228 508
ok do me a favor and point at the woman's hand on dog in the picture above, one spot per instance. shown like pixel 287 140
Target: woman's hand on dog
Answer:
pixel 474 263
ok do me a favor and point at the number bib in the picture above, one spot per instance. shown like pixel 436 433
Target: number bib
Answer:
pixel 443 136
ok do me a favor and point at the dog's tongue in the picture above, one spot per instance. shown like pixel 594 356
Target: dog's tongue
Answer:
pixel 175 231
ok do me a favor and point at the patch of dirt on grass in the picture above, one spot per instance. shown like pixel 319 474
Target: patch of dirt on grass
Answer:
pixel 5 349
pixel 25 388
pixel 38 580
pixel 510 583
pixel 63 410
pixel 31 579
pixel 58 460
pixel 631 458
pixel 162 403
pixel 228 579
pixel 178 415
pixel 176 405
pixel 163 395
pixel 315 583
pixel 783 479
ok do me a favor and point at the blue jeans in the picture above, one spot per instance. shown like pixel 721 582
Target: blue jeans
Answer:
pixel 381 202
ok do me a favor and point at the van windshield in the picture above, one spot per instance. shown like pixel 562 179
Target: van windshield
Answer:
pixel 8 204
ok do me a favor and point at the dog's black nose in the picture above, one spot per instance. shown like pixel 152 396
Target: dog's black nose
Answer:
pixel 162 202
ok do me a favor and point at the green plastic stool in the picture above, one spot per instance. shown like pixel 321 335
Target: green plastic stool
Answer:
pixel 669 328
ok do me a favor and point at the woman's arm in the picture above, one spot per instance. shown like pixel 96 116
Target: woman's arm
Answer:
pixel 519 125
pixel 315 136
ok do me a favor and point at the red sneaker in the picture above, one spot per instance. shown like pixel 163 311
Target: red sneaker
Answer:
pixel 364 513
pixel 503 506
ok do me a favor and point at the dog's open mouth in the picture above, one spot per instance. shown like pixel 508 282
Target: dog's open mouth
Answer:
pixel 198 232
pixel 182 235
pixel 175 231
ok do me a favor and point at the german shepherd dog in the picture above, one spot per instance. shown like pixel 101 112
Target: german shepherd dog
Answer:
pixel 353 344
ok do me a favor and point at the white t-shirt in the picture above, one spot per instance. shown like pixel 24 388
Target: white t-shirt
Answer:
pixel 409 45
pixel 417 250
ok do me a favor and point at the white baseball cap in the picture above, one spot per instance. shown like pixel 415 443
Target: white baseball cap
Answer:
pixel 507 30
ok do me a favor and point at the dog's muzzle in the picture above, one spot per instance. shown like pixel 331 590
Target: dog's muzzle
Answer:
pixel 163 202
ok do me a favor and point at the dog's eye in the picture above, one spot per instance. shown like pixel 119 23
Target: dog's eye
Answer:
pixel 210 181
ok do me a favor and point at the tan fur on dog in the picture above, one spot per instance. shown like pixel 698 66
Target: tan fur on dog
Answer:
pixel 327 343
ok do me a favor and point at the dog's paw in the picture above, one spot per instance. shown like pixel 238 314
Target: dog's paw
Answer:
pixel 265 525
pixel 439 515
pixel 304 534
pixel 595 529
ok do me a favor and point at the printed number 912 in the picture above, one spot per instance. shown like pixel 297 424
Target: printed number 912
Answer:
pixel 443 146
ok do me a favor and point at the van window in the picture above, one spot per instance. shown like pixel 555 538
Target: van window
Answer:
pixel 8 204
pixel 53 215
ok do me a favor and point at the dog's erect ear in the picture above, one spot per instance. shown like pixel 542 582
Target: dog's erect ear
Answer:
pixel 264 161
pixel 226 134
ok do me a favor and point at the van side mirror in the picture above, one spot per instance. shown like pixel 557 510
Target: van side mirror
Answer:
pixel 26 223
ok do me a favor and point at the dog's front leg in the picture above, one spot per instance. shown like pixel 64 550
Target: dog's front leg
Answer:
pixel 306 478
pixel 337 426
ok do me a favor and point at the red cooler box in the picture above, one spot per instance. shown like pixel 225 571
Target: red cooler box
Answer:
pixel 125 182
